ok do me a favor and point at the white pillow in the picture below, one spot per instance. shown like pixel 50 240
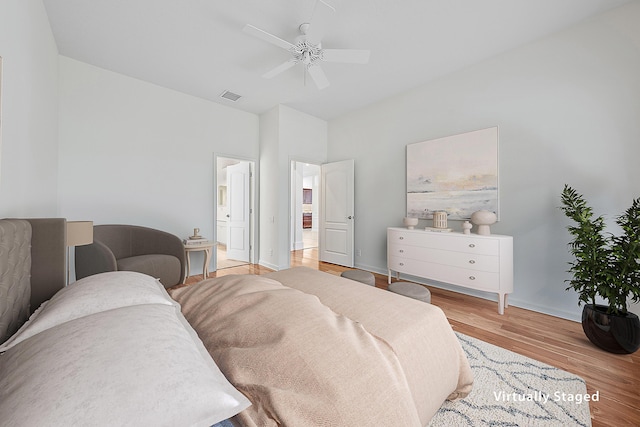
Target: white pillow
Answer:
pixel 136 366
pixel 93 294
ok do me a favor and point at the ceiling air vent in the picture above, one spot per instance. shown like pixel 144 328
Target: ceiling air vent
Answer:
pixel 230 96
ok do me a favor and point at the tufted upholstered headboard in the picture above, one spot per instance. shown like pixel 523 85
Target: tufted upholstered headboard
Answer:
pixel 32 267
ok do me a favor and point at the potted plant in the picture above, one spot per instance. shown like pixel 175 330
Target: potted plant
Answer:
pixel 608 267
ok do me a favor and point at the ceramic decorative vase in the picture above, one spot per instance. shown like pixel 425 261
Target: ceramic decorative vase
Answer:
pixel 483 219
pixel 466 227
pixel 410 223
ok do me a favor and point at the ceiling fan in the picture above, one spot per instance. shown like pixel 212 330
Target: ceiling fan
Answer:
pixel 307 48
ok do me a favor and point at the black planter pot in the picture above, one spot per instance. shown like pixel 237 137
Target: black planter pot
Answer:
pixel 613 333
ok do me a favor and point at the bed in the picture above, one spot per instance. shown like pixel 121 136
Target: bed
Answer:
pixel 296 347
pixel 112 349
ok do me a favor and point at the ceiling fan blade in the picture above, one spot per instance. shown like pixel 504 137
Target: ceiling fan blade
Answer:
pixel 279 69
pixel 322 14
pixel 318 76
pixel 351 56
pixel 268 37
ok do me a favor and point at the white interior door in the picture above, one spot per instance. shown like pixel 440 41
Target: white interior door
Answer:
pixel 337 213
pixel 238 177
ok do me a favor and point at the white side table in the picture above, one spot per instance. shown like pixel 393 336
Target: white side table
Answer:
pixel 206 247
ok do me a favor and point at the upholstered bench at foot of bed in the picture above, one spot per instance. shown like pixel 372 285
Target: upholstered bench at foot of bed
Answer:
pixel 411 290
pixel 360 276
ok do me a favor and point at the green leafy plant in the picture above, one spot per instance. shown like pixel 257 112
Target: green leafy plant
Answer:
pixel 605 265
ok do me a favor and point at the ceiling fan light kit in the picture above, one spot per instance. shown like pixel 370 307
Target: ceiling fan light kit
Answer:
pixel 307 51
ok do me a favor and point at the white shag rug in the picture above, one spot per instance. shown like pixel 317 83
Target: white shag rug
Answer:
pixel 513 390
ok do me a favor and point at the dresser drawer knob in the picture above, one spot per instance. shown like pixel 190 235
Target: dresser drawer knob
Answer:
pixel 401 264
pixel 472 245
pixel 401 251
pixel 472 277
pixel 401 238
pixel 472 261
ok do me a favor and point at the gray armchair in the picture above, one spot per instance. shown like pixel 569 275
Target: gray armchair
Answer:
pixel 132 248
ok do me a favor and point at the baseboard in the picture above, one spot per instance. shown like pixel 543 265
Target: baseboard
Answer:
pixel 268 265
pixel 563 314
pixel 370 268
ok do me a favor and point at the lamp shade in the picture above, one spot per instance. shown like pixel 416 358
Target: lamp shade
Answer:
pixel 79 233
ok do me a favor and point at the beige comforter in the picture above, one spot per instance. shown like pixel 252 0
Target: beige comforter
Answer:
pixel 352 356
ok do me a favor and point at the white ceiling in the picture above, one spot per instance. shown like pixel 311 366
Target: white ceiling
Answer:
pixel 198 46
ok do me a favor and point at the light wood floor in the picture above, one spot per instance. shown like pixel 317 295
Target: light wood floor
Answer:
pixel 557 342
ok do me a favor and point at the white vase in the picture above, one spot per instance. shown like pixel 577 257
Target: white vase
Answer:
pixel 410 223
pixel 483 219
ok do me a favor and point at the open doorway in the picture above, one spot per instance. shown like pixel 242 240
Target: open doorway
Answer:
pixel 234 212
pixel 305 208
pixel 332 206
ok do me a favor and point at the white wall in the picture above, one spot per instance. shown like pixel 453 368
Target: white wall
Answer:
pixel 285 135
pixel 29 144
pixel 568 108
pixel 268 191
pixel 135 153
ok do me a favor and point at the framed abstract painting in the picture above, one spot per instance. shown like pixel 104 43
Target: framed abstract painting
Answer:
pixel 457 174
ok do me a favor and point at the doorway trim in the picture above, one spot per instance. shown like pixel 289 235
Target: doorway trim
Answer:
pixel 253 205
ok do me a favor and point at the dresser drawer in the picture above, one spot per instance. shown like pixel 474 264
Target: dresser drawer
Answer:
pixel 445 241
pixel 480 280
pixel 438 256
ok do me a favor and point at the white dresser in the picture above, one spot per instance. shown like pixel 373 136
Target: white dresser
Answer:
pixel 477 262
